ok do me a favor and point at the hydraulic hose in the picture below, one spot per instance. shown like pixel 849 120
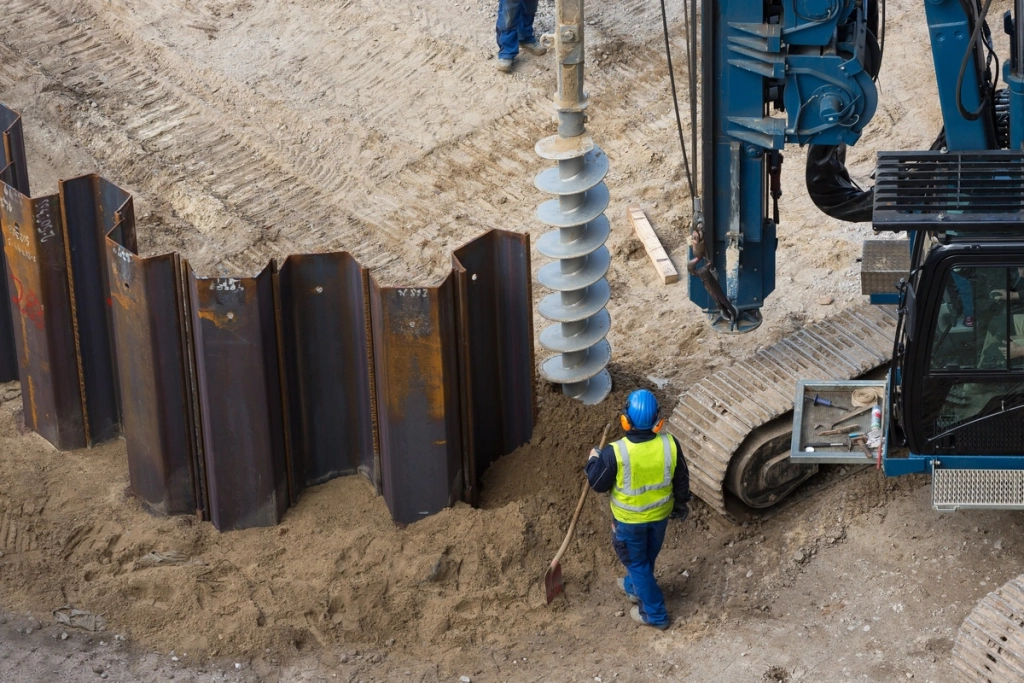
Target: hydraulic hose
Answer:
pixel 831 188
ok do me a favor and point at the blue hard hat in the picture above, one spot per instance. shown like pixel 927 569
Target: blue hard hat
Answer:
pixel 642 409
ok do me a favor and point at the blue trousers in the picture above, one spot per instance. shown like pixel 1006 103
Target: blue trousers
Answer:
pixel 963 286
pixel 515 25
pixel 637 546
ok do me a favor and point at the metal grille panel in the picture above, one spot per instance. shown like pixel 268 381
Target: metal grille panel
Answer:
pixel 995 436
pixel 999 489
pixel 964 191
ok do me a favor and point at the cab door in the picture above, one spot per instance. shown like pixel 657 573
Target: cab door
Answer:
pixel 963 383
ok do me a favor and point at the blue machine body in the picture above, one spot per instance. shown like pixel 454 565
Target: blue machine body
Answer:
pixel 779 72
pixel 807 60
pixel 949 33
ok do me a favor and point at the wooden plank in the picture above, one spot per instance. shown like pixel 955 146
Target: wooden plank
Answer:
pixel 666 271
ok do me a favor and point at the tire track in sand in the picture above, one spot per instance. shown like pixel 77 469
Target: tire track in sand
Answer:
pixel 234 179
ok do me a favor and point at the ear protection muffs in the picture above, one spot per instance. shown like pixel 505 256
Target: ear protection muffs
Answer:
pixel 627 425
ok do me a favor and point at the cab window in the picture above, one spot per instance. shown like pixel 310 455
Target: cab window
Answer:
pixel 975 381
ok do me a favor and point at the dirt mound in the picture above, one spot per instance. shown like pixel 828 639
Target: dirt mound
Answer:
pixel 337 570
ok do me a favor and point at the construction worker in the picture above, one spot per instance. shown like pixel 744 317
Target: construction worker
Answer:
pixel 649 483
pixel 514 30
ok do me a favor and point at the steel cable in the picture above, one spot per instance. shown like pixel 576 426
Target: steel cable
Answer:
pixel 675 99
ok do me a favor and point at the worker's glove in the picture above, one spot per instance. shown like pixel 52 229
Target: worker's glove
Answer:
pixel 594 453
pixel 680 513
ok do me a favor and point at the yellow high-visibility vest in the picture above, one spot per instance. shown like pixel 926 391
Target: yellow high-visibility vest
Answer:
pixel 643 480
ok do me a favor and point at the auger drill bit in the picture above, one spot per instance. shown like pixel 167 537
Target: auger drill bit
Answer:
pixel 578 275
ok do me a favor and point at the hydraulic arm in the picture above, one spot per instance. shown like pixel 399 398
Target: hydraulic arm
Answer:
pixel 773 72
pixel 802 71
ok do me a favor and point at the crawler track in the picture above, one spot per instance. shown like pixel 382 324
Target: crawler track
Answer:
pixel 724 413
pixel 990 645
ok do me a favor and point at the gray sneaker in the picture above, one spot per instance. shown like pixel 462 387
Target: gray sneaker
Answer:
pixel 534 48
pixel 635 615
pixel 505 66
pixel 621 583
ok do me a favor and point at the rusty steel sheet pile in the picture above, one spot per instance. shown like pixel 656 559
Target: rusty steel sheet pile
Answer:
pixel 240 401
pixel 92 207
pixel 495 296
pixel 150 333
pixel 418 412
pixel 40 303
pixel 14 172
pixel 326 355
pixel 235 393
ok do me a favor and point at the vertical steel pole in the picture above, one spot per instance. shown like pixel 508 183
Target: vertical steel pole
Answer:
pixel 578 275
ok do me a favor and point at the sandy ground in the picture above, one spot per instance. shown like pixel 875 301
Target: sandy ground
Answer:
pixel 248 130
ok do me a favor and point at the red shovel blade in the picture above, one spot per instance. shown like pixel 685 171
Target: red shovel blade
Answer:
pixel 553 581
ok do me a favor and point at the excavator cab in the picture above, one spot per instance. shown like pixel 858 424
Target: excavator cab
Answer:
pixel 955 402
pixel 960 352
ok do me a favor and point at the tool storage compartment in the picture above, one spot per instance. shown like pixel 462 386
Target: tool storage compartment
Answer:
pixel 828 434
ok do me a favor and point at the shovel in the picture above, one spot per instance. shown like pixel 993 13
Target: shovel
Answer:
pixel 553 576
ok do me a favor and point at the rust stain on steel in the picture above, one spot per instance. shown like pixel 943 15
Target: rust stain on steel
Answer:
pixel 239 392
pixel 92 207
pixel 14 172
pixel 41 307
pixel 148 313
pixel 325 337
pixel 418 411
pixel 496 349
pixel 240 404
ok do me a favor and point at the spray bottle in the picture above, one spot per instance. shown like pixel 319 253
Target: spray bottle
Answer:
pixel 875 433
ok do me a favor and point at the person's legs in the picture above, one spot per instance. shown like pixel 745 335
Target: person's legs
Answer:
pixel 507 28
pixel 632 543
pixel 655 539
pixel 657 612
pixel 527 11
pixel 622 551
pixel 963 287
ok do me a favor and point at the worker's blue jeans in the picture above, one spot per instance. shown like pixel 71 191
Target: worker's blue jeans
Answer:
pixel 963 287
pixel 515 25
pixel 637 546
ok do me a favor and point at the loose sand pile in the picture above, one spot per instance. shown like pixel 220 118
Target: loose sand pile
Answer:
pixel 336 570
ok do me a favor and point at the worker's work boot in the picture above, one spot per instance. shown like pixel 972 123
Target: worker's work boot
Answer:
pixel 638 618
pixel 505 66
pixel 534 48
pixel 621 583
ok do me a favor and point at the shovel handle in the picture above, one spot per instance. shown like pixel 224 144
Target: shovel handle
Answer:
pixel 579 506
